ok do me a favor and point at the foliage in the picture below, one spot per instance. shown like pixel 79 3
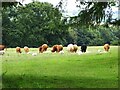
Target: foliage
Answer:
pixel 32 25
pixel 37 23
pixel 90 12
pixel 98 35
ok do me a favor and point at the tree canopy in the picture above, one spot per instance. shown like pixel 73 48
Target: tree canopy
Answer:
pixel 33 24
pixel 90 12
pixel 37 23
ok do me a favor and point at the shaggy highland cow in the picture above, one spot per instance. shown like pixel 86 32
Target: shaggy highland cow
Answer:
pixel 72 48
pixel 18 50
pixel 57 48
pixel 26 49
pixel 43 48
pixel 2 47
pixel 107 47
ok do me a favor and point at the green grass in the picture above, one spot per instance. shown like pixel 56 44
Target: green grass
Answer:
pixel 48 70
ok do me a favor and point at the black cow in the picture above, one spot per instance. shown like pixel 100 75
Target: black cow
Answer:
pixel 83 48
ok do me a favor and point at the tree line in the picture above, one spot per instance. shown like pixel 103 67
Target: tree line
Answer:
pixel 37 23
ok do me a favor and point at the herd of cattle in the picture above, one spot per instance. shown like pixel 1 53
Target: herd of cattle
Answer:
pixel 55 48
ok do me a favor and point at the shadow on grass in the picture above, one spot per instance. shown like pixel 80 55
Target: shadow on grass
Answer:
pixel 29 81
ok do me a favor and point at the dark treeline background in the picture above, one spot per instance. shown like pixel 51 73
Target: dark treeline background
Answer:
pixel 37 23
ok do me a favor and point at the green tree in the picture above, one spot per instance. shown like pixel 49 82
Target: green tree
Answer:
pixel 37 23
pixel 33 24
pixel 90 12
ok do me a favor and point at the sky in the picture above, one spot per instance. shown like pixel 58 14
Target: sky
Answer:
pixel 71 7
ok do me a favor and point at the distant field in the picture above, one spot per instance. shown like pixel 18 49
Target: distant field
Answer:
pixel 55 70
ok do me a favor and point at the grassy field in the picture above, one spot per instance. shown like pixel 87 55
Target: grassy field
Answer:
pixel 55 70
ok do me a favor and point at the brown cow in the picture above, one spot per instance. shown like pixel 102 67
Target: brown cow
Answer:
pixel 57 48
pixel 18 50
pixel 26 49
pixel 107 47
pixel 2 47
pixel 75 47
pixel 43 48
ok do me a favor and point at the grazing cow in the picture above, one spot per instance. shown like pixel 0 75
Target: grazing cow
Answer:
pixel 75 47
pixel 43 48
pixel 2 47
pixel 107 47
pixel 26 49
pixel 57 48
pixel 72 48
pixel 83 48
pixel 18 50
